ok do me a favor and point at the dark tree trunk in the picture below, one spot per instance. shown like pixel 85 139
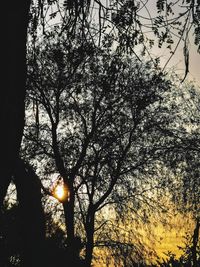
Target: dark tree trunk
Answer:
pixel 68 207
pixel 69 219
pixel 90 237
pixel 195 242
pixel 14 21
pixel 13 78
pixel 31 215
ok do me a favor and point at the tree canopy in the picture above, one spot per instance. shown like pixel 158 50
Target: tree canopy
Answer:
pixel 98 116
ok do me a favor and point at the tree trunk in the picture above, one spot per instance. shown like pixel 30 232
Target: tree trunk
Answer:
pixel 13 78
pixel 90 238
pixel 14 21
pixel 31 215
pixel 195 242
pixel 69 219
pixel 68 207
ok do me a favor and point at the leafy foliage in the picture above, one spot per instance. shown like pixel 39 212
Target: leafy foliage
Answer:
pixel 92 121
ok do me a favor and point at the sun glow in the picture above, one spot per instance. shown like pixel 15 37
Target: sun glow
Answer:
pixel 60 192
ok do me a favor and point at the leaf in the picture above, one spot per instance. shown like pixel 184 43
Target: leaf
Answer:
pixel 53 15
pixel 160 5
pixel 186 57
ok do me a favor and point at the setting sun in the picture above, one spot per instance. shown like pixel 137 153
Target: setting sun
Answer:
pixel 60 192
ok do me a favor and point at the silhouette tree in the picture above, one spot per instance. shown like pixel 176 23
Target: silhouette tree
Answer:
pixel 92 117
pixel 23 225
pixel 52 252
pixel 10 238
pixel 182 155
pixel 123 18
pixel 13 64
pixel 31 215
pixel 123 15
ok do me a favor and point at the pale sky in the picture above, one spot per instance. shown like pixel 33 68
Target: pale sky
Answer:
pixel 148 10
pixel 177 62
pixel 147 13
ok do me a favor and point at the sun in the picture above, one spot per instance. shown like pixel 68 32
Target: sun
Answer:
pixel 60 192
